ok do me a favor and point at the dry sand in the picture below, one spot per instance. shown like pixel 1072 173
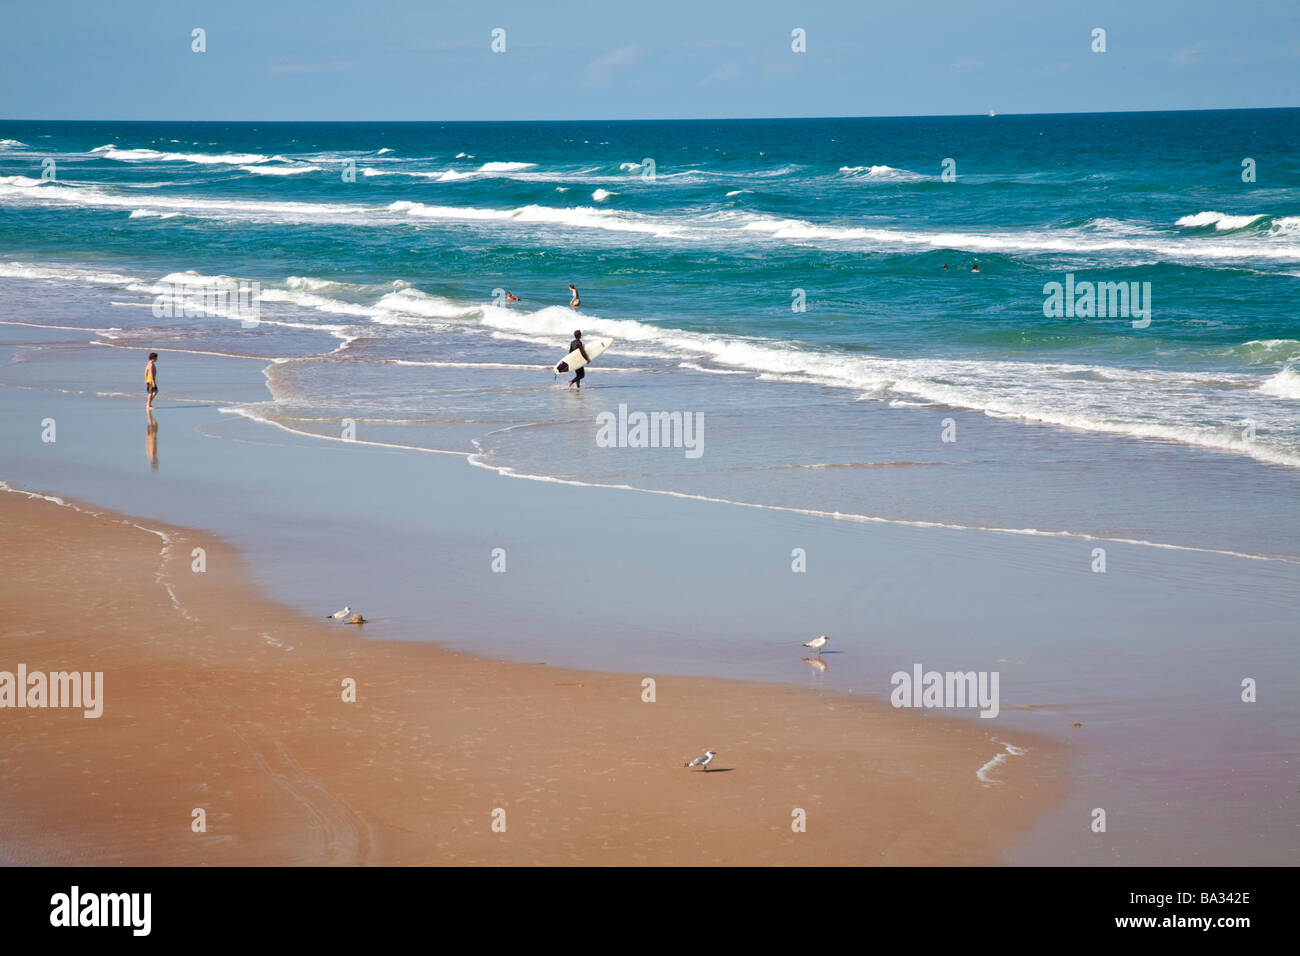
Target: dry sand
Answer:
pixel 223 700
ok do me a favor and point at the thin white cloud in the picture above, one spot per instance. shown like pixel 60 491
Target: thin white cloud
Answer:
pixel 1187 56
pixel 602 69
pixel 300 67
pixel 723 73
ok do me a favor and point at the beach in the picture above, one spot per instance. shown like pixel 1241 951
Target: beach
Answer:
pixel 216 698
pixel 856 435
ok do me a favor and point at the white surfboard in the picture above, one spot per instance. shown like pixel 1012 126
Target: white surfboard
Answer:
pixel 574 360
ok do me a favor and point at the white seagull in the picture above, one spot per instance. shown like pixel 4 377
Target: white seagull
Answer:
pixel 703 760
pixel 817 643
pixel 340 615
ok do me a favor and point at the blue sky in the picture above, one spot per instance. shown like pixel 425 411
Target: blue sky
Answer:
pixel 429 60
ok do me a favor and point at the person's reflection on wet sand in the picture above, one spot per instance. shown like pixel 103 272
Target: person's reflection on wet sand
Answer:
pixel 151 440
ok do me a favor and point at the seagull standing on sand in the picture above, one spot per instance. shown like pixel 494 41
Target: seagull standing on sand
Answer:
pixel 703 760
pixel 340 615
pixel 817 643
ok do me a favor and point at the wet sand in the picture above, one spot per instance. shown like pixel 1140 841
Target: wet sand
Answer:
pixel 217 698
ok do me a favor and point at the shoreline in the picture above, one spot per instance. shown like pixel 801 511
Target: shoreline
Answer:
pixel 201 712
pixel 1167 749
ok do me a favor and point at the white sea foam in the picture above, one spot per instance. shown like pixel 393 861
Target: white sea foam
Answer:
pixel 477 459
pixel 1264 351
pixel 600 195
pixel 728 226
pixel 110 151
pixel 220 209
pixel 151 214
pixel 250 413
pixel 445 176
pixel 584 217
pixel 412 302
pixel 1203 408
pixel 696 367
pixel 24 181
pixel 1222 222
pixel 11 144
pixel 1027 241
pixel 28 270
pixel 1090 398
pixel 308 284
pixel 280 170
pixel 1010 750
pixel 164 554
pixel 1285 384
pixel 883 173
pixel 505 167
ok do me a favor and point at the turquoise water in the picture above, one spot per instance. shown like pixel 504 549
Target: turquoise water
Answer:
pixel 378 305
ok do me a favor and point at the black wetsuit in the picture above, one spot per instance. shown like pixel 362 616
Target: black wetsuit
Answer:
pixel 580 374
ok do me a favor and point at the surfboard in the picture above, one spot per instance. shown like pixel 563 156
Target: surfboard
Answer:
pixel 574 360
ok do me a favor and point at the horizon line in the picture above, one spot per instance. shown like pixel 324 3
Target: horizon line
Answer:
pixel 677 119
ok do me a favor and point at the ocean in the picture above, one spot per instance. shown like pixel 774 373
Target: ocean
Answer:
pixel 783 278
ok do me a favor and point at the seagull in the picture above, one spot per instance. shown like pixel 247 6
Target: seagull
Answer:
pixel 340 615
pixel 703 760
pixel 817 643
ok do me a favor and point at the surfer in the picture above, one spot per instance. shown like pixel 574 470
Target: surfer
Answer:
pixel 975 267
pixel 576 346
pixel 151 378
pixel 511 297
pixel 574 303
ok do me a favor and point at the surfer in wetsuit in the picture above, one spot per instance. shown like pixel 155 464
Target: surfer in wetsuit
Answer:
pixel 576 346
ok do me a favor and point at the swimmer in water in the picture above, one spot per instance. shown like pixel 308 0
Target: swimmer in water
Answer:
pixel 574 302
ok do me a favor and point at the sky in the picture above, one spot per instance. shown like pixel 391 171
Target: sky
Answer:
pixel 574 60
